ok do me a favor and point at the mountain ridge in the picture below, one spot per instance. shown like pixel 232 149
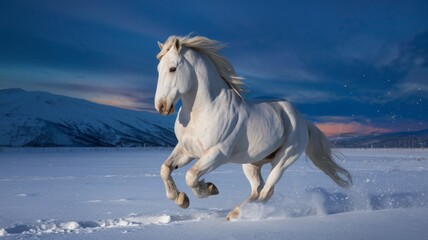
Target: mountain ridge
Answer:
pixel 410 139
pixel 42 119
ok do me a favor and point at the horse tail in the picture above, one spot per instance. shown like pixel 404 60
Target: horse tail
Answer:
pixel 319 151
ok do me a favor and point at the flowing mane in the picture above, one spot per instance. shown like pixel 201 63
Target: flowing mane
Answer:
pixel 210 49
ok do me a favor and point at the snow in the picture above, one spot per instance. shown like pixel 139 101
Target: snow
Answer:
pixel 117 193
pixel 32 118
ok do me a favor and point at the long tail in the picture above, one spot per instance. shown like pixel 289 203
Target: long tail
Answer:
pixel 319 151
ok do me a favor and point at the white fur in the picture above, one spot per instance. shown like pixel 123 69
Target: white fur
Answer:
pixel 216 126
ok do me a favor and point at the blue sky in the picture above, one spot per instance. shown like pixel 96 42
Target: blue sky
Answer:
pixel 350 66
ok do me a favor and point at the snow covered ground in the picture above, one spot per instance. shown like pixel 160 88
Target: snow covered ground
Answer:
pixel 118 194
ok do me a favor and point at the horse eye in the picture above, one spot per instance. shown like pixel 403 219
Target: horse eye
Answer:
pixel 172 69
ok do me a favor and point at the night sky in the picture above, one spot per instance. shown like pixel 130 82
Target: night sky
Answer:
pixel 350 66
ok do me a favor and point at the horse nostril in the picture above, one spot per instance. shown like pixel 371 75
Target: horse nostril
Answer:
pixel 164 109
pixel 161 107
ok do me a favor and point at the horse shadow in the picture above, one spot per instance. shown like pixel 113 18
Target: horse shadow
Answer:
pixel 339 202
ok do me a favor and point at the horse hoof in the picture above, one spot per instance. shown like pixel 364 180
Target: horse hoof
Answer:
pixel 212 189
pixel 233 215
pixel 182 200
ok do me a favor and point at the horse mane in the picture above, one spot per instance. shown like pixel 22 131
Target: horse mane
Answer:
pixel 210 49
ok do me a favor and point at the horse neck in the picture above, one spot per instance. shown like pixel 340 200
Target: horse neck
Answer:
pixel 206 88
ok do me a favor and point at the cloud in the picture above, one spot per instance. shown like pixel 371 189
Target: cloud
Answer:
pixel 352 50
pixel 411 68
pixel 126 16
pixel 337 119
pixel 268 65
pixel 412 53
pixel 337 128
pixel 125 90
pixel 411 88
pixel 346 125
pixel 362 125
pixel 310 96
pixel 122 101
pixel 135 98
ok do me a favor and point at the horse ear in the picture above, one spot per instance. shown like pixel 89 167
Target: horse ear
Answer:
pixel 177 45
pixel 160 45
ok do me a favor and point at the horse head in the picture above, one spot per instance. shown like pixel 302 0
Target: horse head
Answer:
pixel 175 76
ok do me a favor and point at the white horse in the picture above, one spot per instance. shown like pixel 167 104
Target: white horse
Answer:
pixel 215 125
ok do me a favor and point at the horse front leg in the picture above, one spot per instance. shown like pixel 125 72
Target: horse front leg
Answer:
pixel 176 160
pixel 208 162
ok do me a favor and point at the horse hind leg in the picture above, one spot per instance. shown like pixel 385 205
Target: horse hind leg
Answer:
pixel 254 176
pixel 261 191
pixel 281 162
pixel 293 147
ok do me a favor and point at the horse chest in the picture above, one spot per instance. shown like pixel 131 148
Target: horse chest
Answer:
pixel 199 134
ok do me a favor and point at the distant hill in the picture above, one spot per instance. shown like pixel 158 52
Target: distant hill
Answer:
pixel 416 139
pixel 41 119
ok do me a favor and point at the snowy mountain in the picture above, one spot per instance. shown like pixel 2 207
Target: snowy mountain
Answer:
pixel 41 119
pixel 416 139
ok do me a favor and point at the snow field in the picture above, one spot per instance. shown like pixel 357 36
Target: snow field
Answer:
pixel 117 193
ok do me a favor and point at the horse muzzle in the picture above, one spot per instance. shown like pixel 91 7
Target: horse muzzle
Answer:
pixel 165 109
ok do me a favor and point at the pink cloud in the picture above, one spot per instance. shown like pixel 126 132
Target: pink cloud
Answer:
pixel 122 102
pixel 336 129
